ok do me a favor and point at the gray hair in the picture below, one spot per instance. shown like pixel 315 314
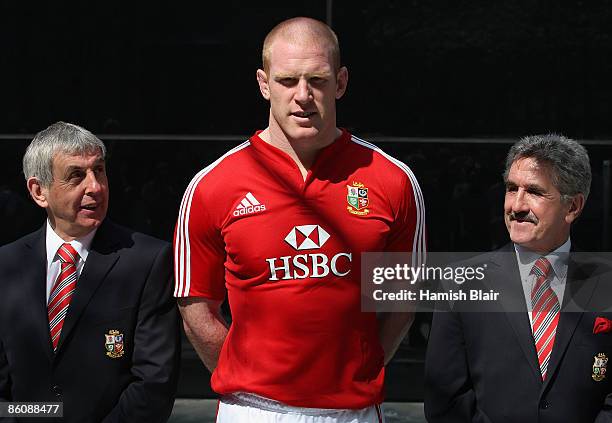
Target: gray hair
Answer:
pixel 60 137
pixel 568 160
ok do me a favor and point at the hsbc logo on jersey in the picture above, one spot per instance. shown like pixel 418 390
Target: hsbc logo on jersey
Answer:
pixel 308 265
pixel 307 237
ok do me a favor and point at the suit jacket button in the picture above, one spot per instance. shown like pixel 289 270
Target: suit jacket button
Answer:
pixel 544 404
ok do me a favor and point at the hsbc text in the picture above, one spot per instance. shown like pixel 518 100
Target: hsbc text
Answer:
pixel 304 266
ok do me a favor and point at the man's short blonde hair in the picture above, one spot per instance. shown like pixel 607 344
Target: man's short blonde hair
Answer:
pixel 302 30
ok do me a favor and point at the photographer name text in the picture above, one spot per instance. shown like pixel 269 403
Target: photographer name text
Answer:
pixel 429 295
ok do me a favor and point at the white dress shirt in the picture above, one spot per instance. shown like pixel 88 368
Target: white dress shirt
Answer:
pixel 53 243
pixel 558 260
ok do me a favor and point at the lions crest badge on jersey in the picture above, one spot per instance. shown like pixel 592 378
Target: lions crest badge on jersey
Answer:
pixel 114 344
pixel 599 367
pixel 357 199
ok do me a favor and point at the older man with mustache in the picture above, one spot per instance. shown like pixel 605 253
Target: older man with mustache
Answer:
pixel 540 354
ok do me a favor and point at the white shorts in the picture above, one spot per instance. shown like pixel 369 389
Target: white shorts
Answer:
pixel 249 408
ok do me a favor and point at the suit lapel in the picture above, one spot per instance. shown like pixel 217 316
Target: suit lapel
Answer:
pixel 35 280
pixel 513 302
pixel 100 261
pixel 578 292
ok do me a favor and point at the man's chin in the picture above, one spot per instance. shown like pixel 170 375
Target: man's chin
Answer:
pixel 520 237
pixel 530 243
pixel 88 224
pixel 304 133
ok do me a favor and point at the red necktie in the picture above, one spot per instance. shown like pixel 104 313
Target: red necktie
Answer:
pixel 62 290
pixel 545 313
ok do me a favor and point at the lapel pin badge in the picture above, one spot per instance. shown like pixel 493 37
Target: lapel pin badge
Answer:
pixel 114 344
pixel 599 367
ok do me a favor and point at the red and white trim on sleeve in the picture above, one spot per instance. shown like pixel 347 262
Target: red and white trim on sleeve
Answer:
pixel 182 246
pixel 419 247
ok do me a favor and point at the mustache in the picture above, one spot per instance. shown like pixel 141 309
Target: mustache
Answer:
pixel 523 217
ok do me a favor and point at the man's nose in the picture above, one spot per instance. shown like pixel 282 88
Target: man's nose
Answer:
pixel 304 93
pixel 92 183
pixel 520 202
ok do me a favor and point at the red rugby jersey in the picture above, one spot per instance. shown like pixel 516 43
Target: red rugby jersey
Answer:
pixel 287 253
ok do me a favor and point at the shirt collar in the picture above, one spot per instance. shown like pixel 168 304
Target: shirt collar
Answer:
pixel 54 242
pixel 278 154
pixel 558 258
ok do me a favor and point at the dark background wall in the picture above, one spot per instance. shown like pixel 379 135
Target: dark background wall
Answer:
pixel 420 67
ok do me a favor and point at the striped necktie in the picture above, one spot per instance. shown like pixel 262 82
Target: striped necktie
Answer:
pixel 545 313
pixel 62 291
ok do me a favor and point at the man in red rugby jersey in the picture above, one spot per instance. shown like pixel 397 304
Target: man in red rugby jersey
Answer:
pixel 278 224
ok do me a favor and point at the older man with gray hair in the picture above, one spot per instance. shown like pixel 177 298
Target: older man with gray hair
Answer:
pixel 86 313
pixel 541 353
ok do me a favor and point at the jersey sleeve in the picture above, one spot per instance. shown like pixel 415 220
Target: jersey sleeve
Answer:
pixel 408 231
pixel 199 251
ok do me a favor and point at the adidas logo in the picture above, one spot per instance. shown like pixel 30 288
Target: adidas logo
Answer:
pixel 248 205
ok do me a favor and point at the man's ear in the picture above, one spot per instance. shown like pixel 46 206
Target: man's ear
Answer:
pixel 341 82
pixel 37 192
pixel 576 204
pixel 264 87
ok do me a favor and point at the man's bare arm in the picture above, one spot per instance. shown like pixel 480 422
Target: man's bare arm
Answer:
pixel 205 327
pixel 392 328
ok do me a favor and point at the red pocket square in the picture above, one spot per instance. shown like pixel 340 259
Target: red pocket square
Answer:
pixel 602 325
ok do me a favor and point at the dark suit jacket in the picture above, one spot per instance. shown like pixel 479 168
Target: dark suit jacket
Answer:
pixel 482 366
pixel 125 286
